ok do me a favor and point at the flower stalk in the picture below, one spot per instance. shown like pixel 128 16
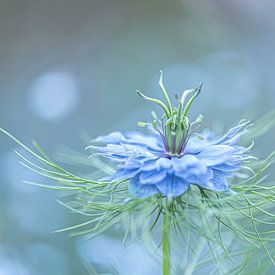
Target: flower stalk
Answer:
pixel 166 244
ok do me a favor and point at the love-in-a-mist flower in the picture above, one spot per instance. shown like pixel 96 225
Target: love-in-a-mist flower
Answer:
pixel 178 177
pixel 173 156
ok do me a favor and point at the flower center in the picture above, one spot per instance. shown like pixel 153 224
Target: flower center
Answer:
pixel 175 134
pixel 174 127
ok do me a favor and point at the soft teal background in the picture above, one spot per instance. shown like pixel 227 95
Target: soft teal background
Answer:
pixel 70 68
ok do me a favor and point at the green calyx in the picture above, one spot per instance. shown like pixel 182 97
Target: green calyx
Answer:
pixel 174 126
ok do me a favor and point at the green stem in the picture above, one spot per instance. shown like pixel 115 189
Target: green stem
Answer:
pixel 166 243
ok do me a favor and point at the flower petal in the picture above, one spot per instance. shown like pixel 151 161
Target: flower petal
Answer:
pixel 112 138
pixel 125 174
pixel 152 177
pixel 173 186
pixel 234 134
pixel 218 182
pixel 151 142
pixel 141 190
pixel 190 169
pixel 216 154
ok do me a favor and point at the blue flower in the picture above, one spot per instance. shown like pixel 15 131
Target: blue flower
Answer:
pixel 172 157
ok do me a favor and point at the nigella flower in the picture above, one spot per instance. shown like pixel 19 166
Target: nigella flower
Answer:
pixel 158 169
pixel 173 156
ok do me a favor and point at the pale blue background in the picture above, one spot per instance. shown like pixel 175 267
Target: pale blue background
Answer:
pixel 69 68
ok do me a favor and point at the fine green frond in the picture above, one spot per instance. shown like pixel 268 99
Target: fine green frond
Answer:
pixel 72 157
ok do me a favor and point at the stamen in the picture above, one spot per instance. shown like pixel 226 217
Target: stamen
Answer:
pixel 157 101
pixel 165 92
pixel 189 103
pixel 175 124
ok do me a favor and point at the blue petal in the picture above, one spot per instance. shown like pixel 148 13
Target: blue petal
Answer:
pixel 227 168
pixel 210 173
pixel 234 134
pixel 186 161
pixel 195 145
pixel 141 190
pixel 151 142
pixel 218 182
pixel 133 164
pixel 112 138
pixel 190 169
pixel 216 154
pixel 121 146
pixel 149 165
pixel 151 177
pixel 163 163
pixel 156 164
pixel 125 173
pixel 172 186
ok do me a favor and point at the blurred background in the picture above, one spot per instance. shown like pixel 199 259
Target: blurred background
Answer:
pixel 70 68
